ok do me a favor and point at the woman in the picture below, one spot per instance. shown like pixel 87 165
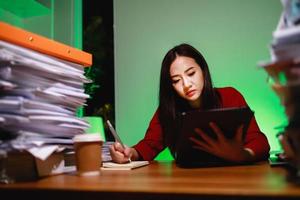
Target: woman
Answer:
pixel 185 84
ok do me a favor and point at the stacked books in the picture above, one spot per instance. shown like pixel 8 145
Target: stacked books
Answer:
pixel 284 76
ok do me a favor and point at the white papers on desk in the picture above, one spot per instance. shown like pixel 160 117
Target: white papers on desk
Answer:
pixel 126 166
pixel 106 157
pixel 14 103
pixel 286 38
pixel 39 98
pixel 44 152
pixel 38 61
pixel 5 85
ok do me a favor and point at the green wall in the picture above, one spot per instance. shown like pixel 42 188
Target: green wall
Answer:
pixel 60 20
pixel 233 35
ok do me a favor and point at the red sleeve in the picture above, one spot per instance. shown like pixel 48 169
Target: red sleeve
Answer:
pixel 152 144
pixel 255 139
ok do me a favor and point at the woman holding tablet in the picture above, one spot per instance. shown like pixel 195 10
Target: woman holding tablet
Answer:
pixel 185 85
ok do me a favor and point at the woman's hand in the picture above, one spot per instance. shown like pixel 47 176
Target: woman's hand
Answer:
pixel 228 149
pixel 122 155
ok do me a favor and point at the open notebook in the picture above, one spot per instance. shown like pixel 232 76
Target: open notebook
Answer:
pixel 126 166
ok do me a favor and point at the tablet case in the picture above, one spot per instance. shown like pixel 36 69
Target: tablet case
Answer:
pixel 227 119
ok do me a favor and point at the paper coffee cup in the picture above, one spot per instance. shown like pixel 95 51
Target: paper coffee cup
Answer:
pixel 88 154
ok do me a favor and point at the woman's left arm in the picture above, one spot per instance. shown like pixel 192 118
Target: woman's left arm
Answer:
pixel 255 142
pixel 254 146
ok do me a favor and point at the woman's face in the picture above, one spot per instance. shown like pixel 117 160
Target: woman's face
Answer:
pixel 187 79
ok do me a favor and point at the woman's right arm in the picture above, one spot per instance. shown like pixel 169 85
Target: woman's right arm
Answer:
pixel 147 149
pixel 152 144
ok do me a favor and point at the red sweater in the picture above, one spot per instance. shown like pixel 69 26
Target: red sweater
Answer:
pixel 152 144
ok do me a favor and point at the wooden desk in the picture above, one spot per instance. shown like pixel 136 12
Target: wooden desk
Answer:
pixel 163 180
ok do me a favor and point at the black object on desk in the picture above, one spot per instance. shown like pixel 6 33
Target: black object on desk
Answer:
pixel 227 119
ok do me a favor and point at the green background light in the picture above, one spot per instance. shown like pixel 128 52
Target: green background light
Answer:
pixel 60 20
pixel 54 19
pixel 25 8
pixel 233 35
pixel 96 126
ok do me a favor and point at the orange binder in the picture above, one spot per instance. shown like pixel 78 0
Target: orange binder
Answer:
pixel 43 45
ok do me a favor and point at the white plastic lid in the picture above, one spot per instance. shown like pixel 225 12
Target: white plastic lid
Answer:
pixel 87 138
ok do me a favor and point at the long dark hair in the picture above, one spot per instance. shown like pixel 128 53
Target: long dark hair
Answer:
pixel 170 103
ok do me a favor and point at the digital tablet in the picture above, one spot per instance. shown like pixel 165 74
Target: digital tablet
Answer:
pixel 228 120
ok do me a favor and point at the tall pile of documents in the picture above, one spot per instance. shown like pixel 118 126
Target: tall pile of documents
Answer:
pixel 39 95
pixel 284 72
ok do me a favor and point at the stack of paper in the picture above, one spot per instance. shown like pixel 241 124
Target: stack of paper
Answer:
pixel 286 37
pixel 284 73
pixel 39 98
pixel 105 151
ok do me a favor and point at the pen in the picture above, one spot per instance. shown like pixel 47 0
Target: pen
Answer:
pixel 116 136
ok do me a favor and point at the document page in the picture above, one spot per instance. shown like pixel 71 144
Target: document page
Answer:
pixel 126 166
